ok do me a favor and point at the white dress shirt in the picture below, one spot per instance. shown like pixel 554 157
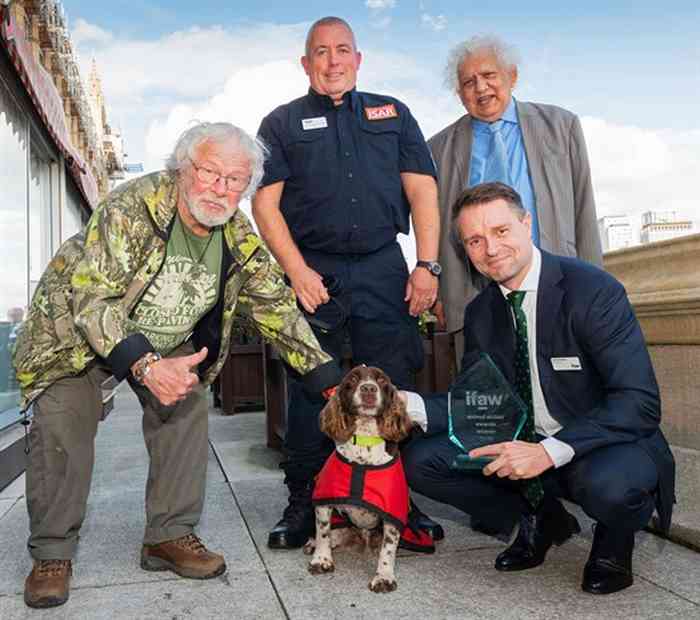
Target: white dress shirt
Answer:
pixel 561 453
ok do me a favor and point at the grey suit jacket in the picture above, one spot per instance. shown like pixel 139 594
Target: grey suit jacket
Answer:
pixel 561 178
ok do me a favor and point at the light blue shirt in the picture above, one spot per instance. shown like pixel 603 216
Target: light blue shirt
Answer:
pixel 517 158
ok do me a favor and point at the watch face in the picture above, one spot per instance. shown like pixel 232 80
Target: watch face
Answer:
pixel 432 266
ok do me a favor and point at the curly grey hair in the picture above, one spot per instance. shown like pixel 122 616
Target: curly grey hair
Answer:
pixel 506 55
pixel 191 138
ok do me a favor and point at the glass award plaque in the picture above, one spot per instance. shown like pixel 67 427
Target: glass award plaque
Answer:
pixel 483 409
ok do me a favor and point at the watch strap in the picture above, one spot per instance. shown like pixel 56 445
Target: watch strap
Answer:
pixel 432 266
pixel 143 366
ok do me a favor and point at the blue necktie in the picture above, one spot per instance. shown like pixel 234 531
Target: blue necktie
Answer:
pixel 497 167
pixel 532 488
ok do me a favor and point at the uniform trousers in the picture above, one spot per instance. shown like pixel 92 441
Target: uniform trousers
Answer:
pixel 62 454
pixel 381 333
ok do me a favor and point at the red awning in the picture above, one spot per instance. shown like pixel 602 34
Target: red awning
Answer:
pixel 48 103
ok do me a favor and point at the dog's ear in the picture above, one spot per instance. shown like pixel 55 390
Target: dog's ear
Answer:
pixel 393 423
pixel 338 424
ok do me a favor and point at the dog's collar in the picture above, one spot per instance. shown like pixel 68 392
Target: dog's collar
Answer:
pixel 366 440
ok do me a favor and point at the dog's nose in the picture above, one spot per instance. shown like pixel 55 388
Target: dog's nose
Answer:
pixel 368 388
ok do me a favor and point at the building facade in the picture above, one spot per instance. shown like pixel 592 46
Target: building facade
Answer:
pixel 662 225
pixel 58 157
pixel 615 232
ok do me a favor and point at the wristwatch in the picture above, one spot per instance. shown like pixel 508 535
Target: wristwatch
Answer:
pixel 431 265
pixel 143 366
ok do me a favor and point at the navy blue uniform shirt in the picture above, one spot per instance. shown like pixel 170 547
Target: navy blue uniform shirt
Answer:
pixel 341 166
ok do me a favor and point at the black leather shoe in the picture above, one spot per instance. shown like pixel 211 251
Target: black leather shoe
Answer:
pixel 551 524
pixel 602 576
pixel 290 535
pixel 298 522
pixel 422 521
pixel 609 567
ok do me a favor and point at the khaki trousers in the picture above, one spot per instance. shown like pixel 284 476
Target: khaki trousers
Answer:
pixel 62 454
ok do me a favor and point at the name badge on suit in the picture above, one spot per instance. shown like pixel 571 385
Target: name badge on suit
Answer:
pixel 566 363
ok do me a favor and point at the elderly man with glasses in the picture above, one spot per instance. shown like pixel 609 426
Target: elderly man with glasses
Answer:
pixel 537 149
pixel 148 292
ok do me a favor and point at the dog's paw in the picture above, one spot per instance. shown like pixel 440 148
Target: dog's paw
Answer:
pixel 382 584
pixel 310 546
pixel 321 565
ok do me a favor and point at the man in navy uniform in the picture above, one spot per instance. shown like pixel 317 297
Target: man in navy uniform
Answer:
pixel 564 334
pixel 346 171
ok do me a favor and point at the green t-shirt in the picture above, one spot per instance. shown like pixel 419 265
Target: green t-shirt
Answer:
pixel 184 290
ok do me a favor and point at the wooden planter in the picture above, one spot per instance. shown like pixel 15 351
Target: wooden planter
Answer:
pixel 241 384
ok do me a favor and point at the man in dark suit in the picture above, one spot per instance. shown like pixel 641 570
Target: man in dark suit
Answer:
pixel 536 149
pixel 593 400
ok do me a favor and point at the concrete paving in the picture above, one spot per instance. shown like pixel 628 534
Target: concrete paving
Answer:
pixel 245 496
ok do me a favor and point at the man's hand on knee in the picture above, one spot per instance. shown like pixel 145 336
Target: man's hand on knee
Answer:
pixel 171 380
pixel 517 460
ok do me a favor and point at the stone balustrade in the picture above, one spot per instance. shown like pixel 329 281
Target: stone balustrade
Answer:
pixel 663 283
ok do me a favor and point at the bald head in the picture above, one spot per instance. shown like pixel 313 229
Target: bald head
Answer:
pixel 327 21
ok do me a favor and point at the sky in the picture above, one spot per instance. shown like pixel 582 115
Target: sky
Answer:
pixel 630 70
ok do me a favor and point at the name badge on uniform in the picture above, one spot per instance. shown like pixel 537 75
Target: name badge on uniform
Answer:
pixel 314 123
pixel 566 363
pixel 382 112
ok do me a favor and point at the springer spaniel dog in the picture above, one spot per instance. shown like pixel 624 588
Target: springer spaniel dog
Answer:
pixel 363 480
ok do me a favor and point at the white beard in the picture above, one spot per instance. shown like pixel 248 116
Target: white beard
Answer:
pixel 200 214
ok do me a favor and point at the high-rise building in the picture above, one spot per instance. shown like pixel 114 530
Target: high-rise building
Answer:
pixel 661 225
pixel 615 232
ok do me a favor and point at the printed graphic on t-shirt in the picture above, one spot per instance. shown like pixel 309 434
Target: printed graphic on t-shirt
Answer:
pixel 182 293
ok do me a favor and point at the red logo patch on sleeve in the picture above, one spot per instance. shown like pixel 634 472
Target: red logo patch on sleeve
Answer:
pixel 382 112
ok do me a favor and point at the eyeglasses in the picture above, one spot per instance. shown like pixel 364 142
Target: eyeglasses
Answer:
pixel 209 177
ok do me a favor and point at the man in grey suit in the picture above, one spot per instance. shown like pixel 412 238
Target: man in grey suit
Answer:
pixel 536 149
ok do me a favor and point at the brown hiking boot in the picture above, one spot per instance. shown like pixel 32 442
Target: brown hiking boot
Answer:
pixel 187 556
pixel 48 585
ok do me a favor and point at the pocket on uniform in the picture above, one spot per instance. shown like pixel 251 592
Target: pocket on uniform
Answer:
pixel 307 152
pixel 382 146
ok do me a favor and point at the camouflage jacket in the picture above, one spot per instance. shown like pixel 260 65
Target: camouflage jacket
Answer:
pixel 79 310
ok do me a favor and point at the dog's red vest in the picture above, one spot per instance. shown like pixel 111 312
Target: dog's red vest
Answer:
pixel 380 488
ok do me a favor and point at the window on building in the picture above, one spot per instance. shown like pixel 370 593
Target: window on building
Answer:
pixel 14 294
pixel 40 212
pixel 73 218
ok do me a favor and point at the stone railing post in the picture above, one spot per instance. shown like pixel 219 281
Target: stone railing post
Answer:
pixel 663 283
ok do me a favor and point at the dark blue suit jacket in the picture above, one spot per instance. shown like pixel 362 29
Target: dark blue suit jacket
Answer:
pixel 582 312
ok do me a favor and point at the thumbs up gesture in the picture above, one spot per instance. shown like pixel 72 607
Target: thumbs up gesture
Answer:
pixel 172 379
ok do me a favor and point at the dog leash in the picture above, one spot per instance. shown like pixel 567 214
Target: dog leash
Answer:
pixel 335 288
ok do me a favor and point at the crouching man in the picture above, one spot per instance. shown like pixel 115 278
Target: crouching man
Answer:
pixel 564 335
pixel 148 292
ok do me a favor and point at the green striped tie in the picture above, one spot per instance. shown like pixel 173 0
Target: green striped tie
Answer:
pixel 532 489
